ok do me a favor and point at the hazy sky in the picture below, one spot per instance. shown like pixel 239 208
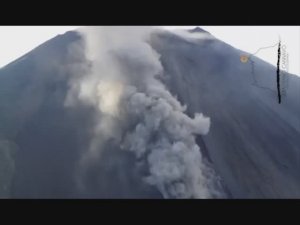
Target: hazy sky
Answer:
pixel 18 40
pixel 251 38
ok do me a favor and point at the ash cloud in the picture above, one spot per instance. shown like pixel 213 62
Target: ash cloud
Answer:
pixel 136 113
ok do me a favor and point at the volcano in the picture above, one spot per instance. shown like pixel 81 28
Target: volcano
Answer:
pixel 253 143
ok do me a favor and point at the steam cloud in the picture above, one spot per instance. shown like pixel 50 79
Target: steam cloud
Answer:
pixel 137 112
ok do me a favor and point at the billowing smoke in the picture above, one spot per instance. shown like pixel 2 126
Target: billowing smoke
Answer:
pixel 136 112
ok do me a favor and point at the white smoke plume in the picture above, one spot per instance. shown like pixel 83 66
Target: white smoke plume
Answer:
pixel 137 112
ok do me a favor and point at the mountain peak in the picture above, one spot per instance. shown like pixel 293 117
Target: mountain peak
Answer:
pixel 198 30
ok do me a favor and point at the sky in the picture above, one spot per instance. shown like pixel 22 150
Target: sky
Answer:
pixel 251 38
pixel 16 41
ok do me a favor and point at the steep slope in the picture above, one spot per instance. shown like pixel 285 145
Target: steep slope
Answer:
pixel 253 141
